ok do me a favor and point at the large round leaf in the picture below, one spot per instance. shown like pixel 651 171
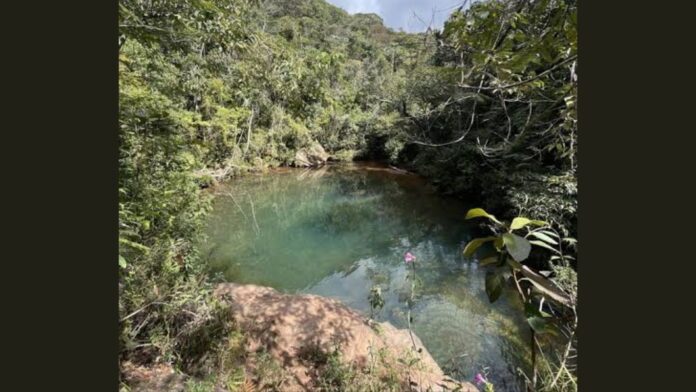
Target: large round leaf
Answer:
pixel 517 246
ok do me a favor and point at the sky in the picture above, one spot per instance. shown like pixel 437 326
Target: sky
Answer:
pixel 402 13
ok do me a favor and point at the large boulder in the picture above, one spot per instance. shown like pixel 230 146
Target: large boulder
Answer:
pixel 311 156
pixel 288 326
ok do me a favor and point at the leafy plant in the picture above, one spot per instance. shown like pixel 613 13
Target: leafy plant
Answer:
pixel 376 300
pixel 511 250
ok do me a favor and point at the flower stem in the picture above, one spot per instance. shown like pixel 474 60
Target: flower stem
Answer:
pixel 410 304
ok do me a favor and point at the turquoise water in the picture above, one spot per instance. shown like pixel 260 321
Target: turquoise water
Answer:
pixel 340 230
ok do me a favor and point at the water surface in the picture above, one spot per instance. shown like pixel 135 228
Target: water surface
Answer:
pixel 340 230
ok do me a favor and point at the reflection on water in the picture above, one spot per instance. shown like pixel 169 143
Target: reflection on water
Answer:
pixel 343 229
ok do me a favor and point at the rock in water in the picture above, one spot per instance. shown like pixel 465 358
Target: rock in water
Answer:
pixel 312 156
pixel 289 326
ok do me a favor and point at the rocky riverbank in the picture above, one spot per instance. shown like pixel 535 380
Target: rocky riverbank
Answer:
pixel 299 329
pixel 314 343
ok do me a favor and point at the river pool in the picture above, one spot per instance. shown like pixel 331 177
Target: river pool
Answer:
pixel 342 229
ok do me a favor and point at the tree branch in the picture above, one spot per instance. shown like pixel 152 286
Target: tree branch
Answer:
pixel 569 59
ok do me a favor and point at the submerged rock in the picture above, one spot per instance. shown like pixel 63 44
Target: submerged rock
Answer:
pixel 296 328
pixel 311 156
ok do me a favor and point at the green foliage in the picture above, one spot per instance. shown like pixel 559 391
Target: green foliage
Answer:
pixel 375 299
pixel 494 284
pixel 480 212
pixel 269 373
pixel 511 248
pixel 521 222
pixel 474 244
pixel 170 127
pixel 492 115
pixel 213 88
pixel 336 375
pixel 558 293
pixel 517 247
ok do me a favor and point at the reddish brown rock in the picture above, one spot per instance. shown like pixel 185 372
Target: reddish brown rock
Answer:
pixel 289 326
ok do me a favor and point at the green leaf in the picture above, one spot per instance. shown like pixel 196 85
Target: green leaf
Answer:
pixel 549 233
pixel 499 243
pixel 517 246
pixel 538 324
pixel 133 244
pixel 543 245
pixel 514 264
pixel 521 222
pixel 480 212
pixel 530 310
pixel 494 285
pixel 122 262
pixel 538 320
pixel 570 241
pixel 474 244
pixel 544 237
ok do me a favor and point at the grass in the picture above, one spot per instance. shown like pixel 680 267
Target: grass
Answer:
pixel 336 375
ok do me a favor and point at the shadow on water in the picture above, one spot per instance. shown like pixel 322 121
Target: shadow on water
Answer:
pixel 343 229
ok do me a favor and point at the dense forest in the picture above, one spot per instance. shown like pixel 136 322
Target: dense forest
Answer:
pixel 485 109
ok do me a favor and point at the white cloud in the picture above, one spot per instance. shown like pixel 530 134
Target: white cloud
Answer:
pixel 356 6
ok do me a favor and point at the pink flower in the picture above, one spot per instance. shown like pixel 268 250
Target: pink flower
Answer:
pixel 409 257
pixel 479 379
